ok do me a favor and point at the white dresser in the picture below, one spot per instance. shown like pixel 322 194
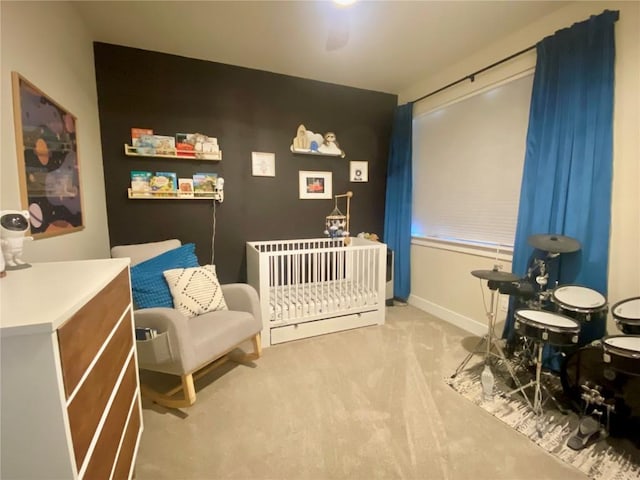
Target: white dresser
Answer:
pixel 69 379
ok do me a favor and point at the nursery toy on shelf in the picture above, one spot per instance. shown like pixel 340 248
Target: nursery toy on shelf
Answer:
pixel 13 226
pixel 312 143
pixel 337 223
pixel 330 145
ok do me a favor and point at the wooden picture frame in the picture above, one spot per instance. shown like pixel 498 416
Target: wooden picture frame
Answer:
pixel 48 164
pixel 315 185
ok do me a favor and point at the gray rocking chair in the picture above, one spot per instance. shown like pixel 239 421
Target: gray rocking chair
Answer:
pixel 191 347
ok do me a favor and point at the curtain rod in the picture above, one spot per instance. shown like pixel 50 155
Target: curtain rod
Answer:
pixel 472 76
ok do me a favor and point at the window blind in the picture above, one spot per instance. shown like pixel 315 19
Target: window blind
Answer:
pixel 467 165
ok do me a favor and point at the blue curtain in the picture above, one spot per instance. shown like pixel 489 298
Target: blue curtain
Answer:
pixel 397 214
pixel 566 183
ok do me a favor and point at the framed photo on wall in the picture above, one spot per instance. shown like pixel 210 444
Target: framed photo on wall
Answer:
pixel 315 185
pixel 263 164
pixel 48 166
pixel 359 171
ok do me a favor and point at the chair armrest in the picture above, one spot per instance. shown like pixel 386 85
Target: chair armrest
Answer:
pixel 175 324
pixel 242 297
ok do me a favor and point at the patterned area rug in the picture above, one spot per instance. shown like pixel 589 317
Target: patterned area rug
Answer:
pixel 607 459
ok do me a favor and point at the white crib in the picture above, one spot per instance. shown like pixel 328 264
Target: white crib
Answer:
pixel 317 286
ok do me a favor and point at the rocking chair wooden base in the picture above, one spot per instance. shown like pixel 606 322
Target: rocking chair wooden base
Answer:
pixel 187 387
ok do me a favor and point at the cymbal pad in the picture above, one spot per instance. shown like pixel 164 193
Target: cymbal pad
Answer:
pixel 554 243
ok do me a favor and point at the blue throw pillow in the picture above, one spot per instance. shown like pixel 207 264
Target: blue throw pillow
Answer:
pixel 148 285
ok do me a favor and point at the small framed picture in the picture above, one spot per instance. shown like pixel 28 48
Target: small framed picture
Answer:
pixel 359 171
pixel 315 185
pixel 263 164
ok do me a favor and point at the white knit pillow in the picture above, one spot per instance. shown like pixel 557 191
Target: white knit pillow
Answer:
pixel 195 290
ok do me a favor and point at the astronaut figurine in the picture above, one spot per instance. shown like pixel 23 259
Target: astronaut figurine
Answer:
pixel 13 226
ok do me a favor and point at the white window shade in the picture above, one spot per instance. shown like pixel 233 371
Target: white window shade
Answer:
pixel 467 166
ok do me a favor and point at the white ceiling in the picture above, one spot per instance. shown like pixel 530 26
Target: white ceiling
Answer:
pixel 391 44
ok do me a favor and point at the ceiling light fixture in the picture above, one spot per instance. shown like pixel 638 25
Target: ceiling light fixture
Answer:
pixel 344 3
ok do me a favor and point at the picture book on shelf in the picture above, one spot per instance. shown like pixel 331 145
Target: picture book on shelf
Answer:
pixel 141 182
pixel 185 187
pixel 184 148
pixel 197 145
pixel 156 145
pixel 204 183
pixel 164 183
pixel 136 133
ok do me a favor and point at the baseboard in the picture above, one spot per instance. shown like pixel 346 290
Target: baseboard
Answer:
pixel 449 316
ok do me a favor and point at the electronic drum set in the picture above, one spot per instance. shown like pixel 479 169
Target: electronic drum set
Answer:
pixel 600 378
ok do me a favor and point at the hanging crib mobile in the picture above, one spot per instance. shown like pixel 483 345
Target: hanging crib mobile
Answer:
pixel 337 223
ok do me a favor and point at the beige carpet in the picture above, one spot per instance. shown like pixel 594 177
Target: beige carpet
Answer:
pixel 363 404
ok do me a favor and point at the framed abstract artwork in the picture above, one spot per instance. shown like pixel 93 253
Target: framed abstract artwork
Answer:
pixel 315 185
pixel 48 165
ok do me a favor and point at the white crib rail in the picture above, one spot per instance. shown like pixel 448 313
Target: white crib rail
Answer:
pixel 305 280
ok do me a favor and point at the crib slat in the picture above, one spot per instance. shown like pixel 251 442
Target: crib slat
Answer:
pixel 308 279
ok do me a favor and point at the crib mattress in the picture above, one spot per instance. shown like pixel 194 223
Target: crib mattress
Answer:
pixel 295 302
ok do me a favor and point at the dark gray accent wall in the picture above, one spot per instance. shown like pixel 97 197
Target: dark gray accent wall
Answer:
pixel 247 110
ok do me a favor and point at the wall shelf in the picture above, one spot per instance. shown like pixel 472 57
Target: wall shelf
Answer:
pixel 169 196
pixel 315 153
pixel 132 151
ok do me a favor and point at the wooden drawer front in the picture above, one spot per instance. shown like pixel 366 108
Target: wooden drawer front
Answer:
pixel 104 453
pixel 89 403
pixel 126 459
pixel 84 333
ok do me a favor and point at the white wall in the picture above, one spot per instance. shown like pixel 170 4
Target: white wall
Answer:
pixel 441 281
pixel 47 43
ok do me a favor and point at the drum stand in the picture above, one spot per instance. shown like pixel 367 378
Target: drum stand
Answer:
pixel 491 341
pixel 539 387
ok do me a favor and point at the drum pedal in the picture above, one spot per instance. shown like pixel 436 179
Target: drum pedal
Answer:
pixel 591 430
pixel 588 432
